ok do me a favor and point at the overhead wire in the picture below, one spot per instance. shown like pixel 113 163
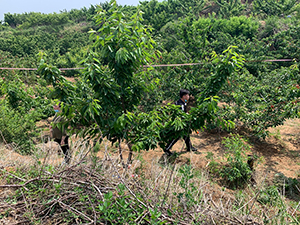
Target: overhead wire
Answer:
pixel 156 65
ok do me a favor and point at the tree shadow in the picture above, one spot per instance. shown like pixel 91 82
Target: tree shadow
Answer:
pixel 268 149
pixel 212 138
pixel 272 150
pixel 287 186
pixel 259 147
pixel 175 158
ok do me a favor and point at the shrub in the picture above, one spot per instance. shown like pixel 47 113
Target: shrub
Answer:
pixel 16 126
pixel 237 172
pixel 235 26
pixel 19 111
pixel 269 196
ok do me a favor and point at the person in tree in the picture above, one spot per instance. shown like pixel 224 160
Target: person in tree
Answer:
pixel 59 135
pixel 182 102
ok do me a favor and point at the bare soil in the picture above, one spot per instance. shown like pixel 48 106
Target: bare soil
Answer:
pixel 279 153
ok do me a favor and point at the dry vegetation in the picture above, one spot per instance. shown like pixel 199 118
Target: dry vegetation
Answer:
pixel 40 189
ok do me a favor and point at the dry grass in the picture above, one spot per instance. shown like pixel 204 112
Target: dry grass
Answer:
pixel 55 192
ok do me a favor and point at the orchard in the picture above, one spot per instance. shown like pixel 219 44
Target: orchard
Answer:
pixel 116 72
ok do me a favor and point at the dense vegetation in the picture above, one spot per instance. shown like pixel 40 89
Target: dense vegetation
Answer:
pixel 115 97
pixel 184 32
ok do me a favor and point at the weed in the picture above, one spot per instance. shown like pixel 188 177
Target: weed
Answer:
pixel 269 196
pixel 214 168
pixel 121 209
pixel 277 135
pixel 186 197
pixel 210 155
pixel 294 154
pixel 286 185
pixel 139 165
pixel 240 200
pixel 237 172
pixel 96 147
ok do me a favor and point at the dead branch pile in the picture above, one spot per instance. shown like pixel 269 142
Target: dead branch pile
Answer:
pixel 108 194
pixel 94 191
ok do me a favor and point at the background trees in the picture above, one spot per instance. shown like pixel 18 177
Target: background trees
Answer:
pixel 117 98
pixel 184 32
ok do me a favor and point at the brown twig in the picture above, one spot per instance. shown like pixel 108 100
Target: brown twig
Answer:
pixel 3 138
pixel 12 175
pixel 65 206
pixel 165 195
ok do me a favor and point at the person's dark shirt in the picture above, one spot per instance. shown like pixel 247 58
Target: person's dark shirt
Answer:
pixel 57 132
pixel 182 104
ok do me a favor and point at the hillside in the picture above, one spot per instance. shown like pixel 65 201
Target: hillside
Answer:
pixel 279 155
pixel 234 62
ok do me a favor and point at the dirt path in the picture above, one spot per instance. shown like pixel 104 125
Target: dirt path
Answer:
pixel 279 152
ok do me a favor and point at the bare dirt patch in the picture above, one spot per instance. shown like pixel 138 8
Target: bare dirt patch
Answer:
pixel 279 152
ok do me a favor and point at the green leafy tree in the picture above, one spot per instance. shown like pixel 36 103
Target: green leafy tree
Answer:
pixel 123 47
pixel 259 104
pixel 228 8
pixel 163 125
pixel 275 8
pixel 158 14
pixel 226 65
pixel 114 80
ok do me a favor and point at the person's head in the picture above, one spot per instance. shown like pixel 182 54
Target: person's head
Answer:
pixel 56 108
pixel 184 95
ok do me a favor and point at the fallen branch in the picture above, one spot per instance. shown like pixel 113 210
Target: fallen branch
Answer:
pixel 65 206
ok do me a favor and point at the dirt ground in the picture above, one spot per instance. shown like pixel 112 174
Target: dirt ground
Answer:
pixel 279 153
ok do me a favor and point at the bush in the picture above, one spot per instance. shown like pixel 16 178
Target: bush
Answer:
pixel 269 196
pixel 237 173
pixel 235 26
pixel 15 127
pixel 19 111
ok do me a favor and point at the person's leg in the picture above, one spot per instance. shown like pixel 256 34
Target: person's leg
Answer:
pixel 66 150
pixel 188 144
pixel 170 145
pixel 58 141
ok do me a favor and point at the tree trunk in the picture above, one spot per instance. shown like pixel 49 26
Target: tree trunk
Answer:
pixel 120 153
pixel 129 159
